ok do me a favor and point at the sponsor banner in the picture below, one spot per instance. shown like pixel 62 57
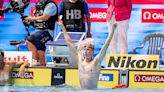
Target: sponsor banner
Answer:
pixel 107 78
pixel 18 56
pixel 27 75
pixel 149 78
pixel 105 1
pixel 134 62
pixel 58 76
pixel 2 17
pixel 33 77
pixel 153 15
pixel 146 79
pixel 98 14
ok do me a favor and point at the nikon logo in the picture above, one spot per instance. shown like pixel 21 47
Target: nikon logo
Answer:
pixel 133 62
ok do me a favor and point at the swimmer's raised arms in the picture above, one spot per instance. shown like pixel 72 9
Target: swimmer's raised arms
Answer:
pixel 89 69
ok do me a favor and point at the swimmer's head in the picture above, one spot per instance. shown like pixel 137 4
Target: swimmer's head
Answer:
pixel 2 63
pixel 86 48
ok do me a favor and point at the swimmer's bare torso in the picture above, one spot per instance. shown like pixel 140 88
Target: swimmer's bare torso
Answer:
pixel 89 69
pixel 88 73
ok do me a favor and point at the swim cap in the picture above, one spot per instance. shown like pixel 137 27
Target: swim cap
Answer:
pixel 86 42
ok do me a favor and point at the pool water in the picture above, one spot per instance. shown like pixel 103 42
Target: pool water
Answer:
pixel 66 88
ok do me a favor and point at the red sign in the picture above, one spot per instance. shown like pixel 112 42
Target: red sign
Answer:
pixel 153 15
pixel 2 17
pixel 57 1
pixel 149 78
pixel 32 11
pixel 98 14
pixel 97 1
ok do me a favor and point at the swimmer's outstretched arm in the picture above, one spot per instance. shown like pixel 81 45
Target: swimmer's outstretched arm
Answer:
pixel 22 65
pixel 102 52
pixel 67 38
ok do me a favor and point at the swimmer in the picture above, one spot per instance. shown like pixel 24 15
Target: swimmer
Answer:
pixel 6 69
pixel 89 68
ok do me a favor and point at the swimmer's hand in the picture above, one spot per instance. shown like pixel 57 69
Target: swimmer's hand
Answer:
pixel 22 67
pixel 22 70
